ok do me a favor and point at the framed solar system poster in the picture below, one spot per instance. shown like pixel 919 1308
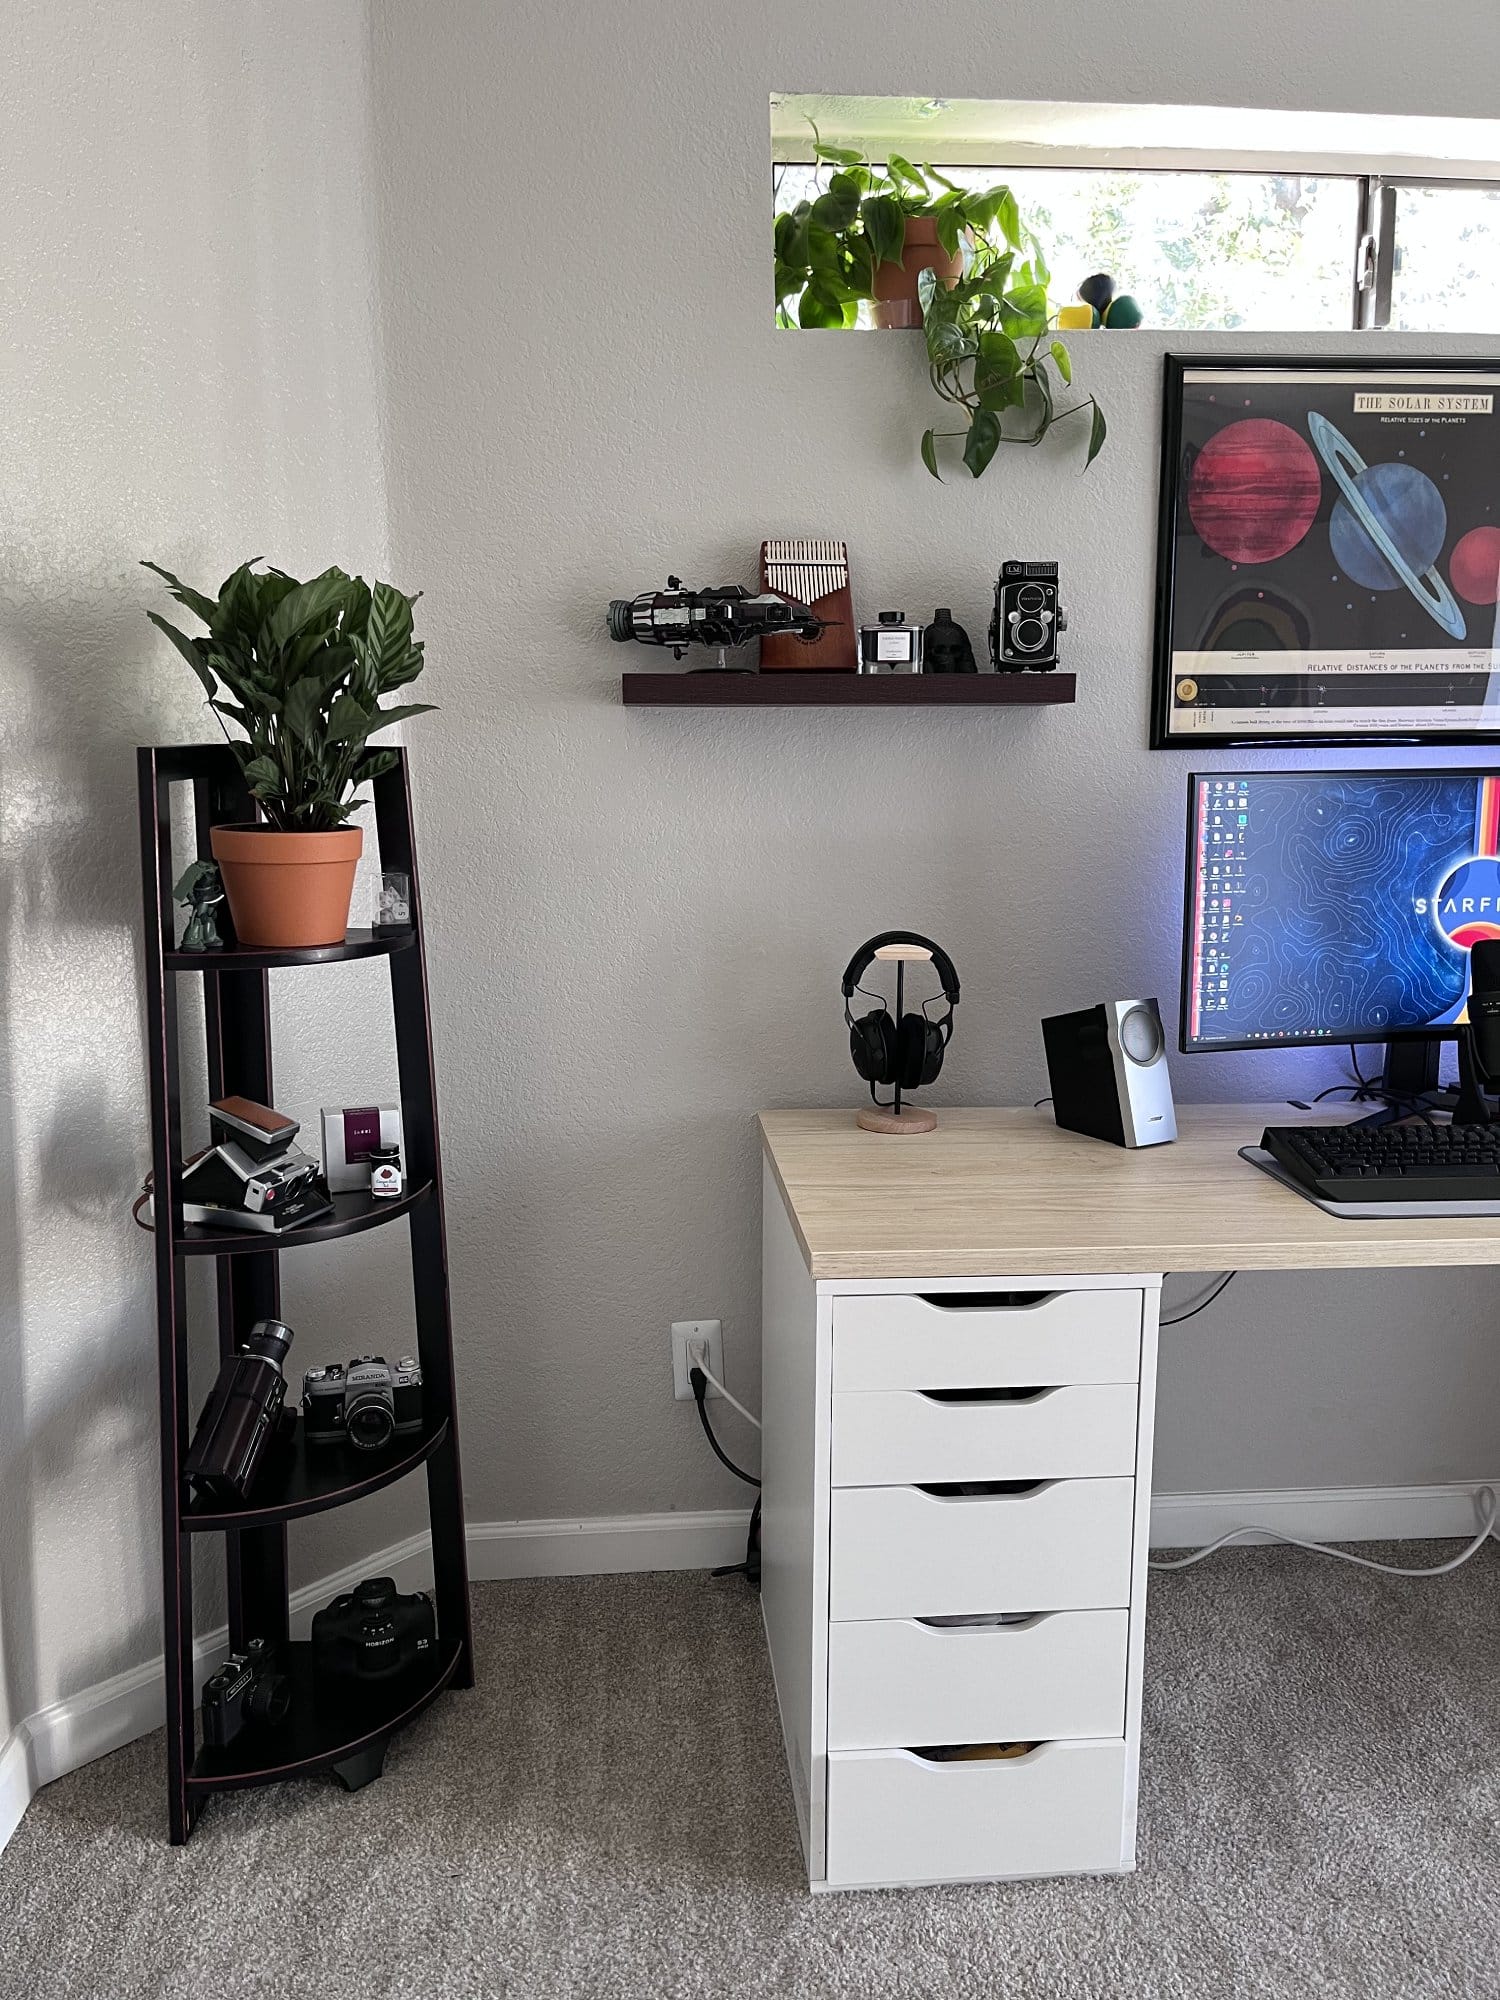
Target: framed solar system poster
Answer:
pixel 1329 552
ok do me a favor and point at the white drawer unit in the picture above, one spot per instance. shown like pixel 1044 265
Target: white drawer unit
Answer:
pixel 902 1552
pixel 901 1681
pixel 894 1817
pixel 955 1498
pixel 900 1437
pixel 971 1340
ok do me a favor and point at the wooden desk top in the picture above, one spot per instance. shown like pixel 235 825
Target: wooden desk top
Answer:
pixel 1005 1193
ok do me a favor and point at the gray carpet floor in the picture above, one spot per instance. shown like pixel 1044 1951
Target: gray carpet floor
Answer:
pixel 607 1814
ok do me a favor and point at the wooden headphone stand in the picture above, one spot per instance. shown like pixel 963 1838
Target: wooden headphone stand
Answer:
pixel 898 1120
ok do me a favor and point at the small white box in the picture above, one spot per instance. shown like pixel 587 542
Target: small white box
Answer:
pixel 350 1134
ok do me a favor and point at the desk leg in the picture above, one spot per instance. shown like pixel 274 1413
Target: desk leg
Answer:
pixel 1139 1564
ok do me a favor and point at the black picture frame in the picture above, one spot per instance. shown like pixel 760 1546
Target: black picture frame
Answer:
pixel 1291 698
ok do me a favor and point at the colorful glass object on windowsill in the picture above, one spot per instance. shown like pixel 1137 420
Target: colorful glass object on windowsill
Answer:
pixel 1101 305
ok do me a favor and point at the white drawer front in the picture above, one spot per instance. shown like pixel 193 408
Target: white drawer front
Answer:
pixel 897 1681
pixel 898 1552
pixel 896 1340
pixel 899 1437
pixel 893 1817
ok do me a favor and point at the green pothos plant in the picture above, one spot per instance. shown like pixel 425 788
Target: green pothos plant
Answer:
pixel 992 353
pixel 827 249
pixel 300 669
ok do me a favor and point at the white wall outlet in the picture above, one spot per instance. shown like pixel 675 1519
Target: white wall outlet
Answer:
pixel 684 1333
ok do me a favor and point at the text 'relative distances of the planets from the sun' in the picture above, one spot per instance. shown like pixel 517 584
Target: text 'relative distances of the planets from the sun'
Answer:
pixel 1335 543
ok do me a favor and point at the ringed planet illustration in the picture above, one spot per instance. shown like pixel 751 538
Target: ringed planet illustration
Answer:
pixel 1388 526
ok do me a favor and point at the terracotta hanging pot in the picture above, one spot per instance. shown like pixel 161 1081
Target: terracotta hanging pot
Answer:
pixel 287 891
pixel 896 301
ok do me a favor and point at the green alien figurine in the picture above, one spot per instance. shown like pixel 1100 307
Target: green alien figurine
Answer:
pixel 201 889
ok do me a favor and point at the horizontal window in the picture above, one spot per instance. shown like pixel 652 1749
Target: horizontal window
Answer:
pixel 1293 244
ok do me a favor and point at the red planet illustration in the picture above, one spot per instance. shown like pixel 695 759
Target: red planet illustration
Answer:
pixel 1253 491
pixel 1474 568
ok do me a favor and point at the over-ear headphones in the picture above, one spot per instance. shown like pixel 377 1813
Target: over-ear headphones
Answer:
pixel 907 1052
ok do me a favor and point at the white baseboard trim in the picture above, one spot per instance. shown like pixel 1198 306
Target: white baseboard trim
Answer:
pixel 1319 1514
pixel 607 1547
pixel 112 1713
pixel 19 1783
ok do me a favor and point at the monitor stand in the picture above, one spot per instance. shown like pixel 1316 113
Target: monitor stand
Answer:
pixel 1410 1076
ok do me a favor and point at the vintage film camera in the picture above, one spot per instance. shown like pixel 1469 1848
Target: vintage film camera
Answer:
pixel 1028 618
pixel 242 1416
pixel 372 1632
pixel 366 1404
pixel 246 1689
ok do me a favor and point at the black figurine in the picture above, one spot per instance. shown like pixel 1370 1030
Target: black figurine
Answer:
pixel 945 646
pixel 202 890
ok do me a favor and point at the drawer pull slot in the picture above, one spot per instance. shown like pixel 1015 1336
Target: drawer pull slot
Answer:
pixel 987 1395
pixel 985 1301
pixel 976 1753
pixel 989 1621
pixel 984 1489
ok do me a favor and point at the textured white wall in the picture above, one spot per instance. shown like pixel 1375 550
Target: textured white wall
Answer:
pixel 639 919
pixel 189 373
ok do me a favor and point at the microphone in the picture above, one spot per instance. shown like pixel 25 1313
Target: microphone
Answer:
pixel 1484 1007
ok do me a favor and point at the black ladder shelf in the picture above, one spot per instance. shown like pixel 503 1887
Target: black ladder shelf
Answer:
pixel 346 1734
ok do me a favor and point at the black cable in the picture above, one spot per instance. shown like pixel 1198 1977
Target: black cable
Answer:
pixel 1219 1288
pixel 699 1383
pixel 750 1567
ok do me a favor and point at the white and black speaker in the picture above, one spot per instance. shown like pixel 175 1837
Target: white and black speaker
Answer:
pixel 1107 1066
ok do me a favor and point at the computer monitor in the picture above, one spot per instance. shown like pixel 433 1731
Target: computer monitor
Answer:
pixel 1337 906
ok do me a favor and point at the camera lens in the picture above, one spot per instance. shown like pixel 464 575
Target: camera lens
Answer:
pixel 1030 597
pixel 374 1593
pixel 1030 633
pixel 270 1339
pixel 620 623
pixel 270 1698
pixel 370 1420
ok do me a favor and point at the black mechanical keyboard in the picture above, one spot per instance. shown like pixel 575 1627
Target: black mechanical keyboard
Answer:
pixel 1414 1163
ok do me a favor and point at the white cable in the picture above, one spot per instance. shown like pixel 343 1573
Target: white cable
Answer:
pixel 1484 1497
pixel 732 1401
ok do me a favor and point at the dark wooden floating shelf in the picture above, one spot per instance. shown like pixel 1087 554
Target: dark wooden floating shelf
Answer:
pixel 306 1478
pixel 812 690
pixel 325 1723
pixel 247 958
pixel 352 1215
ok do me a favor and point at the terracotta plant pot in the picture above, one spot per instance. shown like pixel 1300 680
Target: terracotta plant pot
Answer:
pixel 287 890
pixel 896 301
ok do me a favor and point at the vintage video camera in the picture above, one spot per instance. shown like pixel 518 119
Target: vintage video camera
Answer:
pixel 246 1689
pixel 1028 618
pixel 242 1416
pixel 724 617
pixel 366 1404
pixel 372 1632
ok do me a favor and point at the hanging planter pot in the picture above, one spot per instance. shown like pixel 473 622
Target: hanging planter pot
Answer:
pixel 896 301
pixel 287 891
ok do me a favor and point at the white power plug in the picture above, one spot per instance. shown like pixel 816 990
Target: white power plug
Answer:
pixel 696 1343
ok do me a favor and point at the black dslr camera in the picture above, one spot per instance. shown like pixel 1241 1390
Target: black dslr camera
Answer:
pixel 246 1689
pixel 367 1404
pixel 372 1632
